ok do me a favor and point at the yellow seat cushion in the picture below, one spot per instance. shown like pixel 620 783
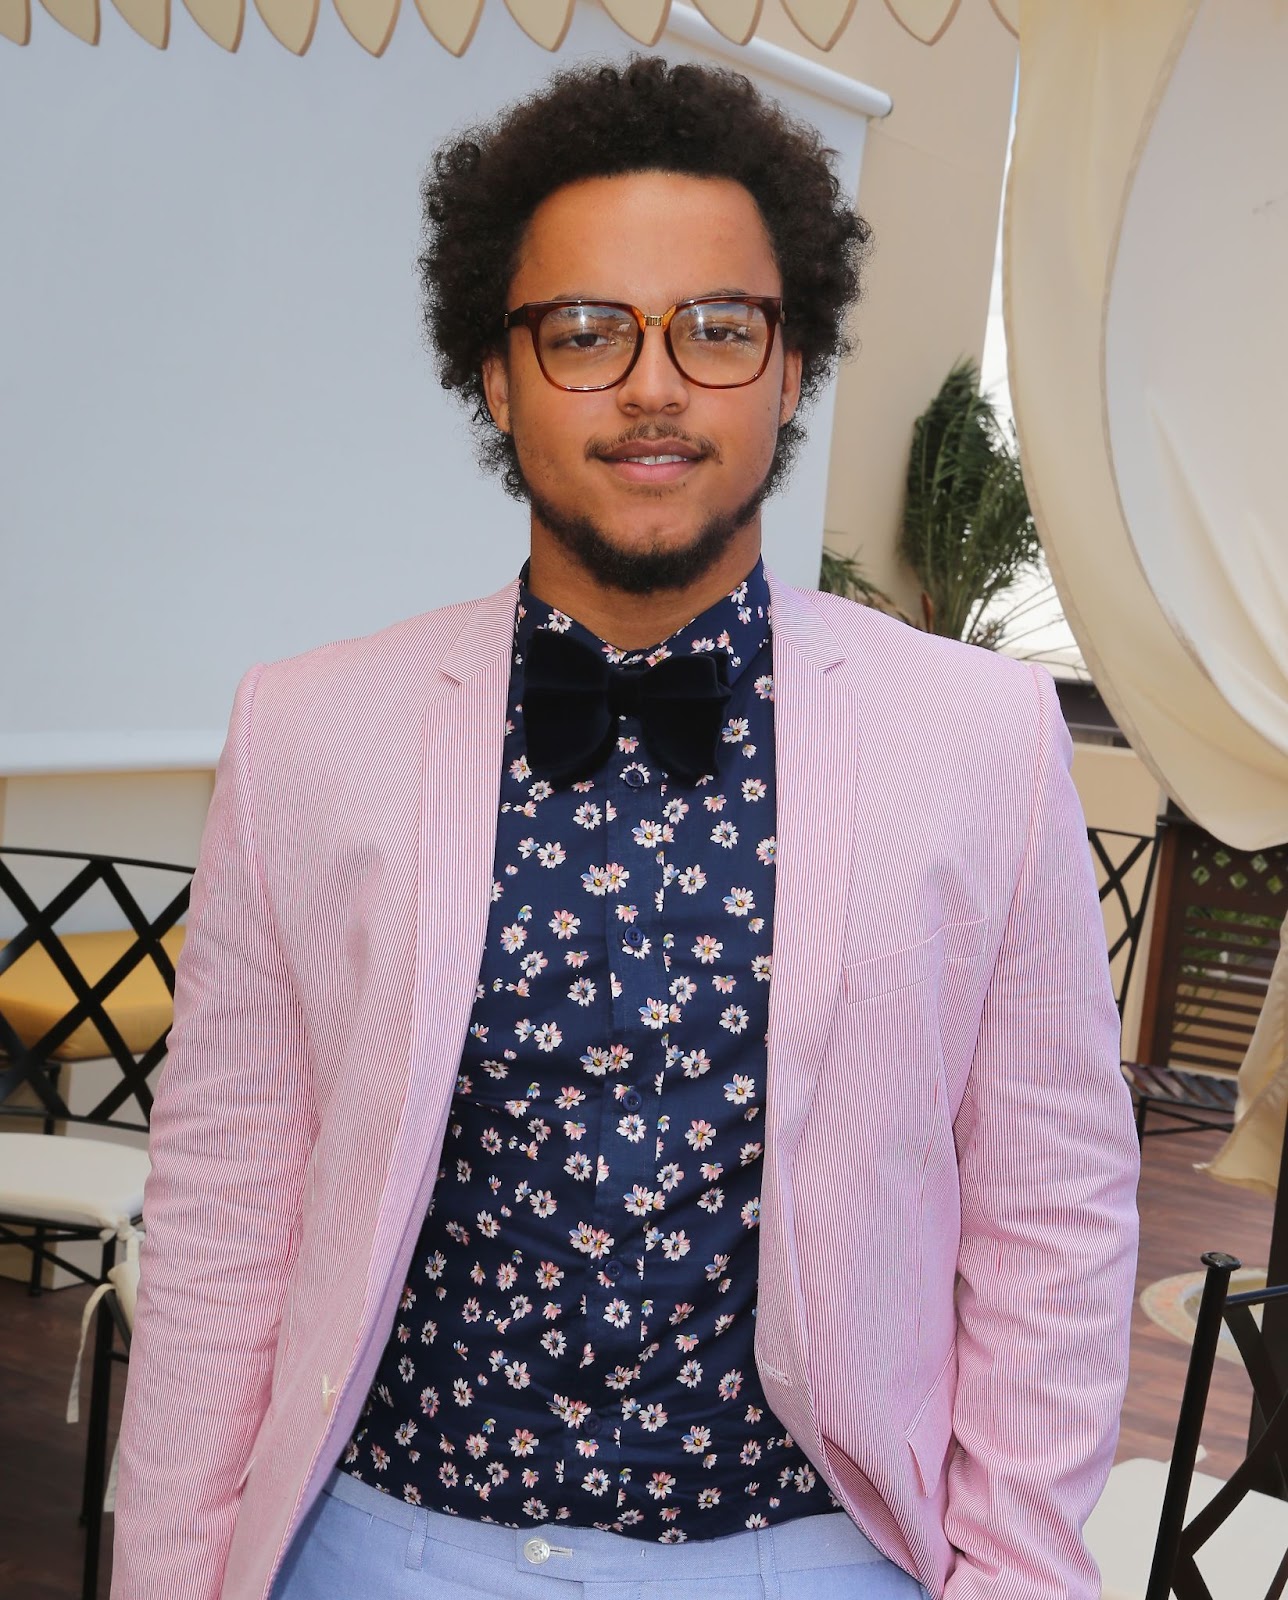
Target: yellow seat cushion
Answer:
pixel 34 994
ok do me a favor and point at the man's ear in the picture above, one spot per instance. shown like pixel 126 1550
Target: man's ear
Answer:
pixel 791 391
pixel 496 389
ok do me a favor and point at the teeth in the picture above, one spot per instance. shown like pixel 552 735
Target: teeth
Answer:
pixel 657 461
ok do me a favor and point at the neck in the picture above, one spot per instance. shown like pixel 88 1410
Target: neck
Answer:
pixel 632 621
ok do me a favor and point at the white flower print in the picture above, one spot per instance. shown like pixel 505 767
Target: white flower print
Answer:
pixel 767 851
pixel 551 854
pixel 764 687
pixel 564 924
pixel 651 834
pixel 593 1242
pixel 691 880
pixel 738 902
pixel 735 730
pixel 695 1063
pixel 582 992
pixel 741 1090
pixel 588 815
pixel 607 879
pixel 735 1018
pixel 513 938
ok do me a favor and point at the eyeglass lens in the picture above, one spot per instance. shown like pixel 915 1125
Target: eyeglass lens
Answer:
pixel 720 344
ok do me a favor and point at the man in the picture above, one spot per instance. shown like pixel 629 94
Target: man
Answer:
pixel 643 1114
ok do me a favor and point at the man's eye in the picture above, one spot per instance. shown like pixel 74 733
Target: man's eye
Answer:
pixel 723 333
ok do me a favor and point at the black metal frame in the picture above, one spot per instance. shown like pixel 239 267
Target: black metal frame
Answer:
pixel 1188 1100
pixel 109 1322
pixel 128 1103
pixel 1174 1569
pixel 1115 886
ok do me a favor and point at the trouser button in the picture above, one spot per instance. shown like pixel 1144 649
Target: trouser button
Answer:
pixel 537 1551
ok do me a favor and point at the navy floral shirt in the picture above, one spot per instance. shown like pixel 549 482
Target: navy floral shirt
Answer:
pixel 574 1342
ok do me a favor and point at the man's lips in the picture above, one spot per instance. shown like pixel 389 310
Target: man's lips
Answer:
pixel 652 461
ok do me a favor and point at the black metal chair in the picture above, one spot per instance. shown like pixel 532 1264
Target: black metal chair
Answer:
pixel 1185 1099
pixel 110 1313
pixel 99 1005
pixel 69 996
pixel 1157 1520
pixel 1183 1530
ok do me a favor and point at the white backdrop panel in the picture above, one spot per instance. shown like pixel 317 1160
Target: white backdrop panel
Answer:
pixel 221 439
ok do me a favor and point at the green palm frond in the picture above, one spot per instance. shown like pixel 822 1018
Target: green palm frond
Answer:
pixel 967 531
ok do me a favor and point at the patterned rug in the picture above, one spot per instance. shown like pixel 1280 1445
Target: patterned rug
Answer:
pixel 1173 1303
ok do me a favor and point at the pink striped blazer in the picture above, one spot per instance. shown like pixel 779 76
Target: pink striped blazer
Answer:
pixel 947 1221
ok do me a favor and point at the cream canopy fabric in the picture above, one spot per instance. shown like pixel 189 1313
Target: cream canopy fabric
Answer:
pixel 1146 248
pixel 454 22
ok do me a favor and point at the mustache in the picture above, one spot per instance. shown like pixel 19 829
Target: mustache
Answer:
pixel 653 434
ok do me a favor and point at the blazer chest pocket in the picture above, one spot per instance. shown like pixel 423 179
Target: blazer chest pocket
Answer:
pixel 905 968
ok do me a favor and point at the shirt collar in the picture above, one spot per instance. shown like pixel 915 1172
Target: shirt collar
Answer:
pixel 738 623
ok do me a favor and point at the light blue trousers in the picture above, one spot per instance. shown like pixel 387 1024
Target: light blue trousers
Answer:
pixel 359 1544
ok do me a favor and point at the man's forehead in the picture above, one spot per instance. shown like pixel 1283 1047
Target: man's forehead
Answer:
pixel 595 236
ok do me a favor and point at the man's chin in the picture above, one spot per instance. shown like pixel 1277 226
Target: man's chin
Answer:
pixel 654 559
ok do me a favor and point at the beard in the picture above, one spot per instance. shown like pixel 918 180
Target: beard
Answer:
pixel 656 567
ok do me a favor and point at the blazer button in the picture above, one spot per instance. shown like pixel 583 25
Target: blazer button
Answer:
pixel 537 1551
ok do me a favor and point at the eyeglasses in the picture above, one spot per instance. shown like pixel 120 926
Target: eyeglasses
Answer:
pixel 715 341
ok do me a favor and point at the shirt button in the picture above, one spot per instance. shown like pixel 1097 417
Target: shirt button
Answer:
pixel 634 937
pixel 592 1427
pixel 634 778
pixel 537 1551
pixel 612 1270
pixel 632 1100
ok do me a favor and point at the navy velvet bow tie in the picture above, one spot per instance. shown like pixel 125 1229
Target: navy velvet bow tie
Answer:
pixel 572 698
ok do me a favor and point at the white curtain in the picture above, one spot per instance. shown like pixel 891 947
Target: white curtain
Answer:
pixel 1146 253
pixel 1147 321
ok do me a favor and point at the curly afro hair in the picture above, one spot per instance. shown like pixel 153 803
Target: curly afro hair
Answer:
pixel 600 121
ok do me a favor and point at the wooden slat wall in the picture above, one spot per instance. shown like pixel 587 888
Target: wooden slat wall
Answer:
pixel 1215 939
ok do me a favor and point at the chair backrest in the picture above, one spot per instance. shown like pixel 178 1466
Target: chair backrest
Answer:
pixel 1174 1568
pixel 87 950
pixel 1125 864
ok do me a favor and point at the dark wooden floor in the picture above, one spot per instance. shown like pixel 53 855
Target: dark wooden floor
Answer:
pixel 1183 1213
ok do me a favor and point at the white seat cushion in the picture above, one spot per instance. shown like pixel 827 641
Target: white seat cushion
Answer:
pixel 82 1182
pixel 1237 1563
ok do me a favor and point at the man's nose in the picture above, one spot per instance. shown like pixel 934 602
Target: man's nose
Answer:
pixel 655 384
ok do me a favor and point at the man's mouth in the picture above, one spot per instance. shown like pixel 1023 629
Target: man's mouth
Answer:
pixel 651 461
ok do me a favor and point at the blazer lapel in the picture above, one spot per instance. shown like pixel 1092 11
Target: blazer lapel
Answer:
pixel 463 740
pixel 816 743
pixel 816 739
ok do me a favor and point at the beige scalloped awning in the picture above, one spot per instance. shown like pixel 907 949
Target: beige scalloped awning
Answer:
pixel 453 22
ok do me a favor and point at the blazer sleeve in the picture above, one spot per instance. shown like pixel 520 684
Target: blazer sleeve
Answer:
pixel 231 1134
pixel 1048 1160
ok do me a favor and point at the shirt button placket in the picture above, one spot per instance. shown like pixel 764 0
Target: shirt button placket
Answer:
pixel 635 799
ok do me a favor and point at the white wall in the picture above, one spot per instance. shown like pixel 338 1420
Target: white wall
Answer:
pixel 220 438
